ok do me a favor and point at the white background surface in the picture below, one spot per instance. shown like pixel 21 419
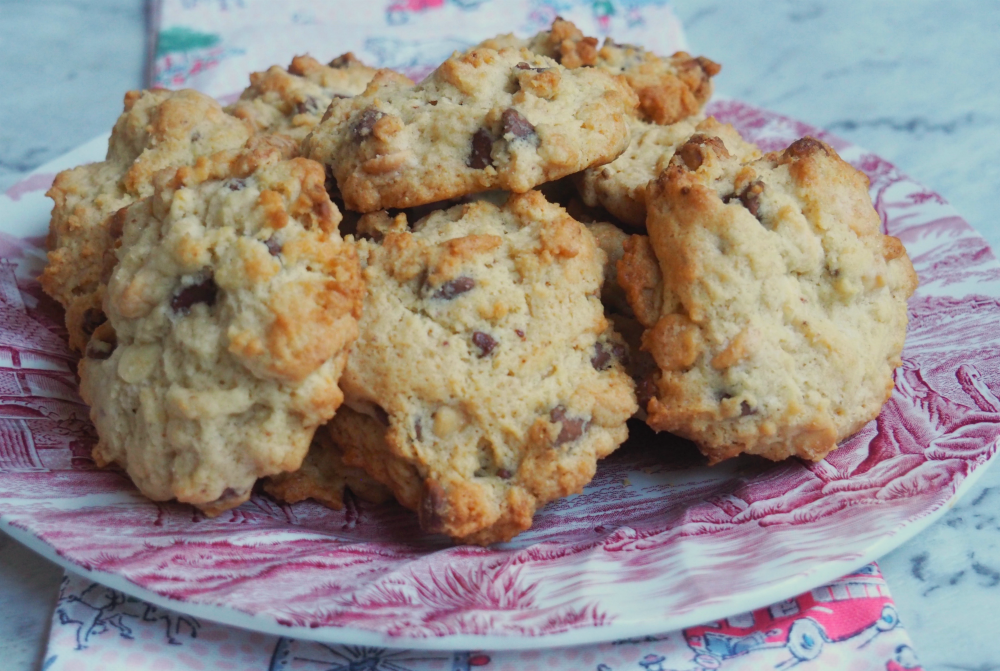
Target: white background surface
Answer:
pixel 918 82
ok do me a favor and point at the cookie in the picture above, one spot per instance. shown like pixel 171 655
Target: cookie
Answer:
pixel 158 129
pixel 324 476
pixel 291 102
pixel 669 89
pixel 487 378
pixel 229 317
pixel 486 119
pixel 620 186
pixel 781 311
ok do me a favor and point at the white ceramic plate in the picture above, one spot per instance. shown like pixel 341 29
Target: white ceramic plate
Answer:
pixel 657 542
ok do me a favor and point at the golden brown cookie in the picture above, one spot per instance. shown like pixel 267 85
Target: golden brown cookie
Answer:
pixel 292 101
pixel 229 317
pixel 485 119
pixel 773 306
pixel 486 380
pixel 669 89
pixel 158 129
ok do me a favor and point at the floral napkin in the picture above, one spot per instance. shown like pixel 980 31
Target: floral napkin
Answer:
pixel 212 45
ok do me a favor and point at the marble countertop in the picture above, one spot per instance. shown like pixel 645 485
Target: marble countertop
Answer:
pixel 918 82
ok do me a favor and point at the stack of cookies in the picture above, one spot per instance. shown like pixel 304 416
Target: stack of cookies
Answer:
pixel 456 292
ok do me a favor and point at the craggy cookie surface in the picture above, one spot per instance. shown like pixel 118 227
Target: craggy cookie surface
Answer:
pixel 158 129
pixel 774 307
pixel 485 119
pixel 487 363
pixel 292 101
pixel 229 317
pixel 620 186
pixel 669 89
pixel 324 476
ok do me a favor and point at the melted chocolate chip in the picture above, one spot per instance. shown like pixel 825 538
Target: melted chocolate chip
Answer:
pixel 382 415
pixel 273 246
pixel 504 474
pixel 572 427
pixel 366 122
pixel 745 409
pixel 92 318
pixel 236 184
pixel 453 288
pixel 203 292
pixel 342 61
pixel 484 342
pixel 520 333
pixel 605 354
pixel 311 105
pixel 751 197
pixel 515 124
pixel 804 147
pixel 482 145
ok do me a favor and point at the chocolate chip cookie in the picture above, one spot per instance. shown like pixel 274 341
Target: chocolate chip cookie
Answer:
pixel 486 380
pixel 620 186
pixel 669 89
pixel 486 119
pixel 292 101
pixel 230 312
pixel 158 129
pixel 774 307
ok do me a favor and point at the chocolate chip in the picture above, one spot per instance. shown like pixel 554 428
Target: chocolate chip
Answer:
pixel 418 429
pixel 453 288
pixel 433 508
pixel 100 350
pixel 236 184
pixel 195 136
pixel 482 145
pixel 92 318
pixel 605 354
pixel 745 409
pixel 572 427
pixel 484 342
pixel 520 333
pixel 804 147
pixel 366 121
pixel 504 474
pixel 382 415
pixel 515 124
pixel 749 198
pixel 342 61
pixel 273 246
pixel 311 105
pixel 203 292
pixel 602 357
pixel 693 151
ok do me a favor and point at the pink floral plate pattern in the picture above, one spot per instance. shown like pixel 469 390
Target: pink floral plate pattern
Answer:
pixel 657 542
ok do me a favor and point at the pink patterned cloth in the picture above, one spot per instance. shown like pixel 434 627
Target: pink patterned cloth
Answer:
pixel 848 624
pixel 211 45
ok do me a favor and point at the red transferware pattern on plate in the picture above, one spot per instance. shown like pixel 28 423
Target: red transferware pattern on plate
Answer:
pixel 657 542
